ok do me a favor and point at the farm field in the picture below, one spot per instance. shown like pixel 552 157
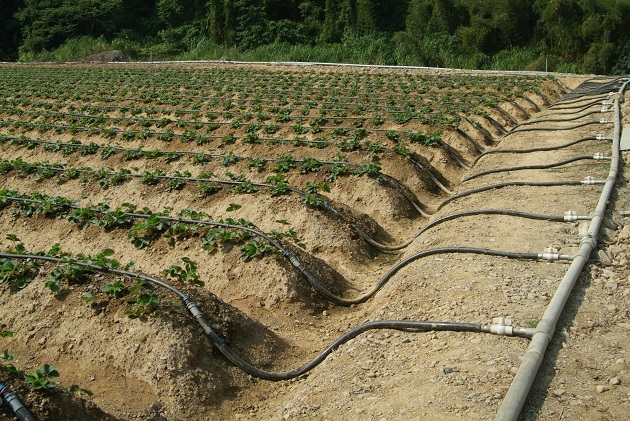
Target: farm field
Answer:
pixel 287 203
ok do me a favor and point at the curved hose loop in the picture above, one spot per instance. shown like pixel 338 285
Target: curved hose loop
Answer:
pixel 486 134
pixel 559 120
pixel 585 107
pixel 385 278
pixel 389 181
pixel 394 248
pixel 548 129
pixel 528 167
pixel 509 184
pixel 430 175
pixel 595 100
pixel 495 124
pixel 532 103
pixel 507 115
pixel 453 155
pixel 543 149
pixel 402 325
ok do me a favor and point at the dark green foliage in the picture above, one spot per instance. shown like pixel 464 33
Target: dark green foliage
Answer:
pixel 586 35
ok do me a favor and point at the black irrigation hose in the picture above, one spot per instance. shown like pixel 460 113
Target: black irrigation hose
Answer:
pixel 215 155
pixel 403 325
pixel 99 269
pixel 529 167
pixel 532 129
pixel 425 253
pixel 576 109
pixel 597 100
pixel 388 248
pixel 510 184
pixel 542 149
pixel 559 120
pixel 260 234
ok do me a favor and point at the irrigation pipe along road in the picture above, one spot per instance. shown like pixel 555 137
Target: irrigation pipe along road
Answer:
pixel 532 359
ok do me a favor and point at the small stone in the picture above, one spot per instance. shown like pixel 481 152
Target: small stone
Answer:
pixel 612 285
pixel 558 392
pixel 92 378
pixel 601 388
pixel 325 313
pixel 31 308
pixel 42 341
pixel 615 381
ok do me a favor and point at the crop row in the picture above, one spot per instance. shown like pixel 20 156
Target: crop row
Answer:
pixel 353 142
pixel 184 82
pixel 145 226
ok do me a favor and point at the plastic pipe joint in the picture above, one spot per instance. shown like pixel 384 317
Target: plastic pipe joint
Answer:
pixel 501 326
pixel 14 403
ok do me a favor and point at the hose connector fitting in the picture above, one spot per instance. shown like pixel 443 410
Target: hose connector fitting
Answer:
pixel 570 216
pixel 501 326
pixel 589 180
pixel 194 310
pixel 295 262
pixel 550 253
pixel 600 156
pixel 14 403
pixel 601 136
pixel 605 121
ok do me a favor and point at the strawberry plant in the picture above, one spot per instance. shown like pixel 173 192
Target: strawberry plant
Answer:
pixel 188 273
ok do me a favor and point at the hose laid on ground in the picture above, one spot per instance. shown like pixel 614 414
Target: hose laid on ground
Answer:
pixel 425 253
pixel 389 248
pixel 535 167
pixel 519 183
pixel 548 129
pixel 531 361
pixel 559 120
pixel 541 149
pixel 403 325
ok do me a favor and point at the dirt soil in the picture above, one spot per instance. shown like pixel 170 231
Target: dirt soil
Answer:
pixel 161 366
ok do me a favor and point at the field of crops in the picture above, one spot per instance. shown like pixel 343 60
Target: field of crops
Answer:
pixel 274 197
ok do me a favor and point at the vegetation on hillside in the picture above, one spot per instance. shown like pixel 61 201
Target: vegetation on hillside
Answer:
pixel 566 35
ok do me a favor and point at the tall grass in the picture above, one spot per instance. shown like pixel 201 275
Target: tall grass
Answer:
pixel 438 50
pixel 71 50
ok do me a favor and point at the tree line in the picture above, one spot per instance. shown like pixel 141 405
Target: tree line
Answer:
pixel 571 35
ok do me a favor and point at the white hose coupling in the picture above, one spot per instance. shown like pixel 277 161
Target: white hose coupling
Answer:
pixel 501 326
pixel 600 136
pixel 604 121
pixel 600 156
pixel 549 253
pixel 591 180
pixel 570 216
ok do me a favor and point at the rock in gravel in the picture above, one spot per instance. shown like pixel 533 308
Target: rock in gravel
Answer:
pixel 612 285
pixel 615 381
pixel 601 388
pixel 559 392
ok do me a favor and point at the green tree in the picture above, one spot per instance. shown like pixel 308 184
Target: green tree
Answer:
pixel 9 29
pixel 46 24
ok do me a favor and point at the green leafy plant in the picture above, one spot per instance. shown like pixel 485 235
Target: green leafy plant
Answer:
pixel 187 274
pixel 40 379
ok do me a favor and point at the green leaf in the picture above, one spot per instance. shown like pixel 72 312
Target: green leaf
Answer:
pixel 88 296
pixel 233 207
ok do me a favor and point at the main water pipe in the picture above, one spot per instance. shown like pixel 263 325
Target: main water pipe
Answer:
pixel 532 359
